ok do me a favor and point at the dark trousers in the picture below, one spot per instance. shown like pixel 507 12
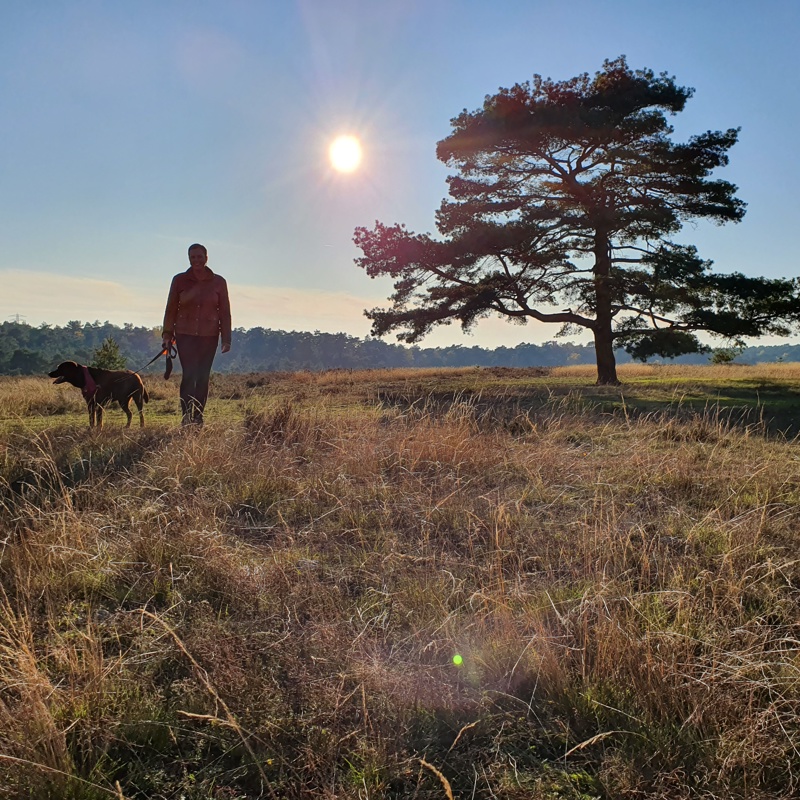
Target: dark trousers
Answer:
pixel 196 354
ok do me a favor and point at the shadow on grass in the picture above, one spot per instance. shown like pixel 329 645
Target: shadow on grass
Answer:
pixel 771 405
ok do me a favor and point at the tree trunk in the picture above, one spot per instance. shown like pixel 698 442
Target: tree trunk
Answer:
pixel 603 339
pixel 604 353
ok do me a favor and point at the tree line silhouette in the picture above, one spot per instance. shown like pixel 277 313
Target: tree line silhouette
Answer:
pixel 29 350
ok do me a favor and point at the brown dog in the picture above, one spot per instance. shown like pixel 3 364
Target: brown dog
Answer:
pixel 103 386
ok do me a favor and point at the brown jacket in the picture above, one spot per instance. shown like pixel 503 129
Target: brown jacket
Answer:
pixel 198 307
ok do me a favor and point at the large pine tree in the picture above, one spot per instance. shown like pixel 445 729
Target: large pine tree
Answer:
pixel 562 206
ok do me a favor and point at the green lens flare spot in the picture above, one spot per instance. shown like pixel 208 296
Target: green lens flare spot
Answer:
pixel 458 660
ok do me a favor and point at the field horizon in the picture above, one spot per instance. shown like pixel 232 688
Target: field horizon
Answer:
pixel 442 583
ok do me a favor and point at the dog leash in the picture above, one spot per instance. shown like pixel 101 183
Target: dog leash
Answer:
pixel 170 352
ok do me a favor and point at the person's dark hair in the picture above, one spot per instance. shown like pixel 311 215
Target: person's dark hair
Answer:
pixel 195 246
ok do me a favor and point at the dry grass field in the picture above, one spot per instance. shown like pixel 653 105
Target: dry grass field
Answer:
pixel 477 583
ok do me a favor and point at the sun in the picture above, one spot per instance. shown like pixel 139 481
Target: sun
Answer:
pixel 345 153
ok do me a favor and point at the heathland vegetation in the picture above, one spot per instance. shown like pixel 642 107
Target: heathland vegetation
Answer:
pixel 474 583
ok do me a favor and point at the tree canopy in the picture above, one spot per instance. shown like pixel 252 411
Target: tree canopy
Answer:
pixel 562 207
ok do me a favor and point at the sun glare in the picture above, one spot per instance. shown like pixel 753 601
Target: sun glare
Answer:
pixel 345 153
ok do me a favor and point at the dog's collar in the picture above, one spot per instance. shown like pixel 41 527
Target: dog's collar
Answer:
pixel 89 386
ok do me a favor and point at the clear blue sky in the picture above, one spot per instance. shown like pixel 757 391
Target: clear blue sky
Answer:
pixel 131 129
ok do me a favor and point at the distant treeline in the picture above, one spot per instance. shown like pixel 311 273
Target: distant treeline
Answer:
pixel 29 350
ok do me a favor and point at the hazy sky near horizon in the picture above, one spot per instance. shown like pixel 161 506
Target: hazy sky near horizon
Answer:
pixel 130 130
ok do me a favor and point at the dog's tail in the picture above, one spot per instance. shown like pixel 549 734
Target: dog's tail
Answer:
pixel 145 396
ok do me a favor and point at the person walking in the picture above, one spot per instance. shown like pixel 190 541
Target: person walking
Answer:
pixel 198 314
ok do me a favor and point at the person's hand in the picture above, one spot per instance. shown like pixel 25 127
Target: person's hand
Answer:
pixel 226 348
pixel 165 343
